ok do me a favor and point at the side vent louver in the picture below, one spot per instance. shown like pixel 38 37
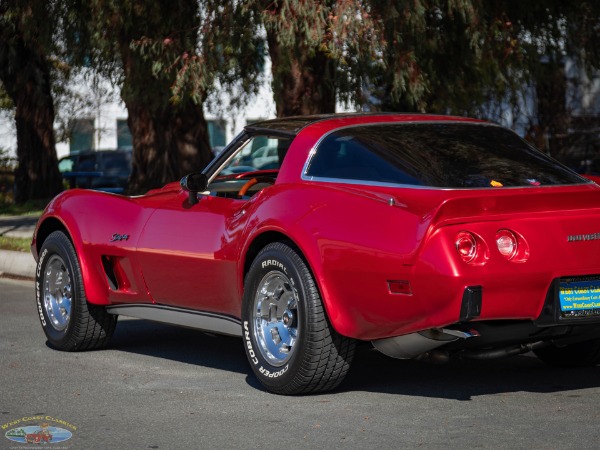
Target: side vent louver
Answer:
pixel 108 263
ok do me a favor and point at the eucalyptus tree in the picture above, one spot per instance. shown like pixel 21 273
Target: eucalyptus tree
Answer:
pixel 166 56
pixel 462 56
pixel 319 51
pixel 27 54
pixel 130 40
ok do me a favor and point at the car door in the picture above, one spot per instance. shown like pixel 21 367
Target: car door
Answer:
pixel 188 253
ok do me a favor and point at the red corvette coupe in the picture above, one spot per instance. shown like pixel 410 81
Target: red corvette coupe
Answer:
pixel 429 236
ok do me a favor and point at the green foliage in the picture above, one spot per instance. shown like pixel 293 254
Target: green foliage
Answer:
pixel 7 162
pixel 343 31
pixel 183 68
pixel 7 179
pixel 470 57
pixel 450 56
pixel 5 101
pixel 220 46
pixel 138 42
pixel 54 28
pixel 233 48
pixel 28 208
pixel 465 56
pixel 298 22
pixel 232 45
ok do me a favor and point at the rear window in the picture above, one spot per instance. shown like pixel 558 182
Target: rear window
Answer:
pixel 444 155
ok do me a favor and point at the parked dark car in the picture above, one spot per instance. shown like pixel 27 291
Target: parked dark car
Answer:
pixel 101 170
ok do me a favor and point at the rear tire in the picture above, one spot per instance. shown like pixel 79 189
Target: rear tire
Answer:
pixel 69 321
pixel 291 346
pixel 583 354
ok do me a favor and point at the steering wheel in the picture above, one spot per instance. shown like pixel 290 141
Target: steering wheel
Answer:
pixel 251 182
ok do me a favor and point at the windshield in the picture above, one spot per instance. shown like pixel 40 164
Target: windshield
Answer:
pixel 445 155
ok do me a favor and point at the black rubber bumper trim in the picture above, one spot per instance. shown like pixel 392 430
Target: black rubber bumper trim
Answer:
pixel 470 307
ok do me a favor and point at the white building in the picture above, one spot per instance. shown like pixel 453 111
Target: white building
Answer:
pixel 93 116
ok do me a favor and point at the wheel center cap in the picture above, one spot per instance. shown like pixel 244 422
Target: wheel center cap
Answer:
pixel 288 318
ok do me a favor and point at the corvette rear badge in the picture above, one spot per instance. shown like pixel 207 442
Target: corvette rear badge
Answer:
pixel 583 237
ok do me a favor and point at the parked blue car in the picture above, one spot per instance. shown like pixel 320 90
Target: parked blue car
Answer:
pixel 102 170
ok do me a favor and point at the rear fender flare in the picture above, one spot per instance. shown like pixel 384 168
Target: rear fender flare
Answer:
pixel 306 244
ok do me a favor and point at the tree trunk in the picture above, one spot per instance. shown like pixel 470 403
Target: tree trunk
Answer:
pixel 302 83
pixel 26 77
pixel 551 90
pixel 167 144
pixel 169 140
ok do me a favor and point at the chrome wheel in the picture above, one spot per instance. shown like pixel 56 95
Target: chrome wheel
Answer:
pixel 68 320
pixel 57 293
pixel 275 318
pixel 290 344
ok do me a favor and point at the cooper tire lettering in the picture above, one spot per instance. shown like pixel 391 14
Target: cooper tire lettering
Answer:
pixel 38 295
pixel 40 262
pixel 269 374
pixel 251 354
pixel 38 291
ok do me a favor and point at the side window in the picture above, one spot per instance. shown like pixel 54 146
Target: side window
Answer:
pixel 252 168
pixel 66 164
pixel 345 158
pixel 87 163
pixel 259 153
pixel 115 163
pixel 348 158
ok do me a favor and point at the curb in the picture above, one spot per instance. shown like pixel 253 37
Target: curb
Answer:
pixel 18 264
pixel 18 226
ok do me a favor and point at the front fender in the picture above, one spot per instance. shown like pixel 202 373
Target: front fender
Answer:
pixel 90 218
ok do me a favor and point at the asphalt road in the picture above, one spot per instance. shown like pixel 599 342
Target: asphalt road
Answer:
pixel 161 387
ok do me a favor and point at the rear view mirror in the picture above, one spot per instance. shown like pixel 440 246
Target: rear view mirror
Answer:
pixel 194 183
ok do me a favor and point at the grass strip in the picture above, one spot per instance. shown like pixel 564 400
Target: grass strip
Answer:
pixel 31 207
pixel 15 244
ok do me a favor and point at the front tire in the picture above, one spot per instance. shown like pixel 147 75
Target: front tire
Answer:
pixel 291 346
pixel 582 354
pixel 69 321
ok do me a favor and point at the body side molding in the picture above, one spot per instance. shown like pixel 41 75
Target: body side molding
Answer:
pixel 202 320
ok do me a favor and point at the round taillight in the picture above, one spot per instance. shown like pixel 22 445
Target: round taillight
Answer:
pixel 466 246
pixel 507 243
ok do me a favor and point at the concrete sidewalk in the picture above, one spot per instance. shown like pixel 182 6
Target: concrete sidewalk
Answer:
pixel 17 226
pixel 12 263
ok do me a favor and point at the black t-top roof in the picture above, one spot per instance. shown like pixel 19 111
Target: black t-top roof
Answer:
pixel 291 126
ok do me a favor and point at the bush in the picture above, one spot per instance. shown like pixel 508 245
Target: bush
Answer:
pixel 7 176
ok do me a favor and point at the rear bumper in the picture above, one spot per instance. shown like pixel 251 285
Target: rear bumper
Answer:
pixel 442 301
